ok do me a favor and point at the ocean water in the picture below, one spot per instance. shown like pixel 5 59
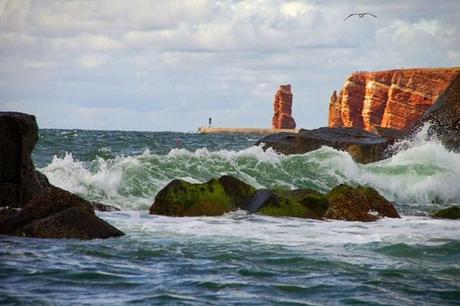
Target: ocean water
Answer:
pixel 238 258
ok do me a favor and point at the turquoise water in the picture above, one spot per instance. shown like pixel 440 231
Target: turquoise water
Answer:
pixel 238 258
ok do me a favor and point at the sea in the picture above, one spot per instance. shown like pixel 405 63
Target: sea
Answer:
pixel 238 258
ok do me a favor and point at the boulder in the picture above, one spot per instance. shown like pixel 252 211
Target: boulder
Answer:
pixel 56 213
pixel 213 198
pixel 282 107
pixel 363 146
pixel 358 204
pixel 19 181
pixel 452 212
pixel 392 98
pixel 219 196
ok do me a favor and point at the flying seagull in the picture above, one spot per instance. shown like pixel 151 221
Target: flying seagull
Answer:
pixel 361 15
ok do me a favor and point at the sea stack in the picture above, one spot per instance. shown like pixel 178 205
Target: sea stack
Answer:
pixel 391 99
pixel 282 106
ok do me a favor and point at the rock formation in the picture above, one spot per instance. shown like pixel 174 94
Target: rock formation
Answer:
pixel 19 181
pixel 48 211
pixel 392 99
pixel 56 213
pixel 444 117
pixel 282 106
pixel 363 146
pixel 219 196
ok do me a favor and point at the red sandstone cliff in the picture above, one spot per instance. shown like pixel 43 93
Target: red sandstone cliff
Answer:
pixel 282 106
pixel 392 98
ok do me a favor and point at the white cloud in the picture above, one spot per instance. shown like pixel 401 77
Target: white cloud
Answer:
pixel 170 64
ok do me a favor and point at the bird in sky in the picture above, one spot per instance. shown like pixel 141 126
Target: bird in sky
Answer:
pixel 361 15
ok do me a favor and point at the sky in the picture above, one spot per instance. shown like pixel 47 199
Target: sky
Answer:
pixel 169 65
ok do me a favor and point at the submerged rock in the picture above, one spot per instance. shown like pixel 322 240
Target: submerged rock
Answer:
pixel 216 197
pixel 452 212
pixel 358 204
pixel 57 213
pixel 213 198
pixel 19 181
pixel 363 146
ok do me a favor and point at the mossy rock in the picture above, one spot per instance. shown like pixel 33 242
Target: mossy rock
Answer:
pixel 213 198
pixel 301 203
pixel 238 191
pixel 358 204
pixel 452 212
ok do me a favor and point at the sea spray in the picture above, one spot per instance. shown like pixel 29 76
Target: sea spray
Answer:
pixel 420 172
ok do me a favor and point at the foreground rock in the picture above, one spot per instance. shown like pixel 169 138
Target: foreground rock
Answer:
pixel 452 212
pixel 49 212
pixel 57 213
pixel 363 146
pixel 392 99
pixel 19 181
pixel 282 107
pixel 216 197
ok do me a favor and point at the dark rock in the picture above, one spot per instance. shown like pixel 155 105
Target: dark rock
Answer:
pixel 19 181
pixel 213 198
pixel 358 204
pixel 56 213
pixel 238 191
pixel 257 200
pixel 452 212
pixel 444 116
pixel 104 207
pixel 363 146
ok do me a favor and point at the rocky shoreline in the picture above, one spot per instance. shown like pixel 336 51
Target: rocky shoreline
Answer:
pixel 367 146
pixel 32 207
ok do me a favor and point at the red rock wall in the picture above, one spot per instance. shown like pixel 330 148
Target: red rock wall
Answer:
pixel 282 106
pixel 392 98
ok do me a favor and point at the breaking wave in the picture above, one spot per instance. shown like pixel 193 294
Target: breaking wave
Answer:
pixel 421 171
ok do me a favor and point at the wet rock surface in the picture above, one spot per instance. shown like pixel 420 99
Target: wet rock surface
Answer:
pixel 48 211
pixel 57 213
pixel 452 212
pixel 180 198
pixel 19 181
pixel 363 146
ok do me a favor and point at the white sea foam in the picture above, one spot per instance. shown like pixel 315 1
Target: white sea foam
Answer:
pixel 292 232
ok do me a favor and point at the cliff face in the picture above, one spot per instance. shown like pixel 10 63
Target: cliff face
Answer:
pixel 392 99
pixel 282 105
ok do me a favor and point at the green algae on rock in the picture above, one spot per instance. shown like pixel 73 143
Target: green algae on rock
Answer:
pixel 452 212
pixel 213 198
pixel 301 203
pixel 219 196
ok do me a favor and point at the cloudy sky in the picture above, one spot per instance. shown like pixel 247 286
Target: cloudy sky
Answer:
pixel 169 65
